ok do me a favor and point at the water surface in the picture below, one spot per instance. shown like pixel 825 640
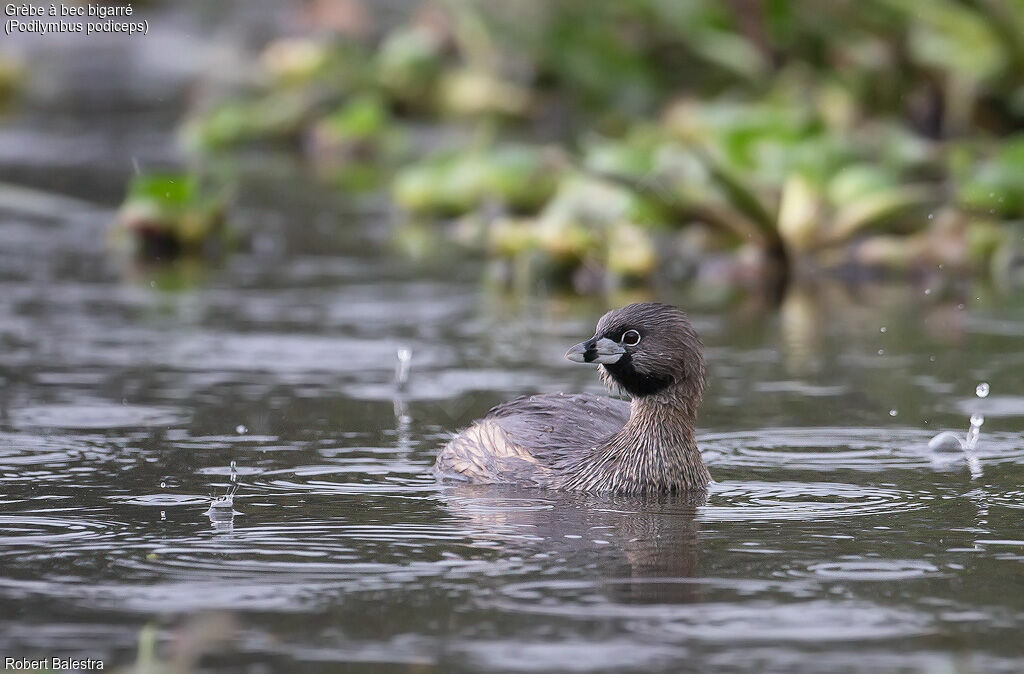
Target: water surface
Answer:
pixel 833 539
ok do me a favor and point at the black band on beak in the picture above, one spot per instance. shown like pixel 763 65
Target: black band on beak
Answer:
pixel 596 350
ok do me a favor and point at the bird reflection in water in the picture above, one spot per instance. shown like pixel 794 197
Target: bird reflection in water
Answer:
pixel 649 542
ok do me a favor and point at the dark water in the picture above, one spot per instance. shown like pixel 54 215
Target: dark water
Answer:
pixel 833 539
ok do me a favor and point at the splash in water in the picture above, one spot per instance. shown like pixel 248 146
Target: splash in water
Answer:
pixel 404 358
pixel 972 441
pixel 222 508
pixel 948 441
pixel 975 430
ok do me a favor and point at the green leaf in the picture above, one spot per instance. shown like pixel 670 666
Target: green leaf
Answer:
pixel 169 191
pixel 875 207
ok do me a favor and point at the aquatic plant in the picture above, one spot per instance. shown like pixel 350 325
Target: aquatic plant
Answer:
pixel 809 144
pixel 590 228
pixel 12 75
pixel 298 61
pixel 408 64
pixel 466 92
pixel 781 176
pixel 446 185
pixel 989 176
pixel 361 128
pixel 519 178
pixel 278 117
pixel 193 638
pixel 164 215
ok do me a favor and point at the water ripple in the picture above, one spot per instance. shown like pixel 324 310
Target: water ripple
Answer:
pixel 717 609
pixel 749 501
pixel 19 530
pixel 830 448
pixel 873 569
pixel 161 500
pixel 94 416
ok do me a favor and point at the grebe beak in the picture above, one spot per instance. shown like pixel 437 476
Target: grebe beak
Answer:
pixel 596 350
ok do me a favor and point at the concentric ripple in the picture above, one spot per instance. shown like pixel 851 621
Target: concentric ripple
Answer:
pixel 27 449
pixel 312 550
pixel 862 449
pixel 94 416
pixel 749 501
pixel 351 476
pixel 50 531
pixel 162 500
pixel 873 570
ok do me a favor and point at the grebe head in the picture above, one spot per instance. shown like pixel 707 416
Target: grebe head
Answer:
pixel 646 349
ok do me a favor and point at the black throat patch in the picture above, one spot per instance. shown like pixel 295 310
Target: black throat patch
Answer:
pixel 634 383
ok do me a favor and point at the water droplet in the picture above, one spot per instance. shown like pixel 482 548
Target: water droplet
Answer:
pixel 883 329
pixel 959 307
pixel 982 390
pixel 893 413
pixel 241 430
pixel 931 359
pixel 404 357
pixel 973 434
pixel 881 352
pixel 931 216
pixel 163 485
pixel 927 291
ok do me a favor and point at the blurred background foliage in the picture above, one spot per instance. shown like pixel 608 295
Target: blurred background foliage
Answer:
pixel 602 142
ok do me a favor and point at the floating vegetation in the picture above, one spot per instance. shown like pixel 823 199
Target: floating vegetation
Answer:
pixel 297 61
pixel 589 224
pixel 780 153
pixel 279 117
pixel 518 178
pixel 359 129
pixel 470 92
pixel 352 145
pixel 12 75
pixel 409 63
pixel 166 215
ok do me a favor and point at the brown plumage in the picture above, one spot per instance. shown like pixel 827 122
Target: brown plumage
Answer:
pixel 593 443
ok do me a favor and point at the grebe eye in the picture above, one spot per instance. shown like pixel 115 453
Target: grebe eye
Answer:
pixel 630 338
